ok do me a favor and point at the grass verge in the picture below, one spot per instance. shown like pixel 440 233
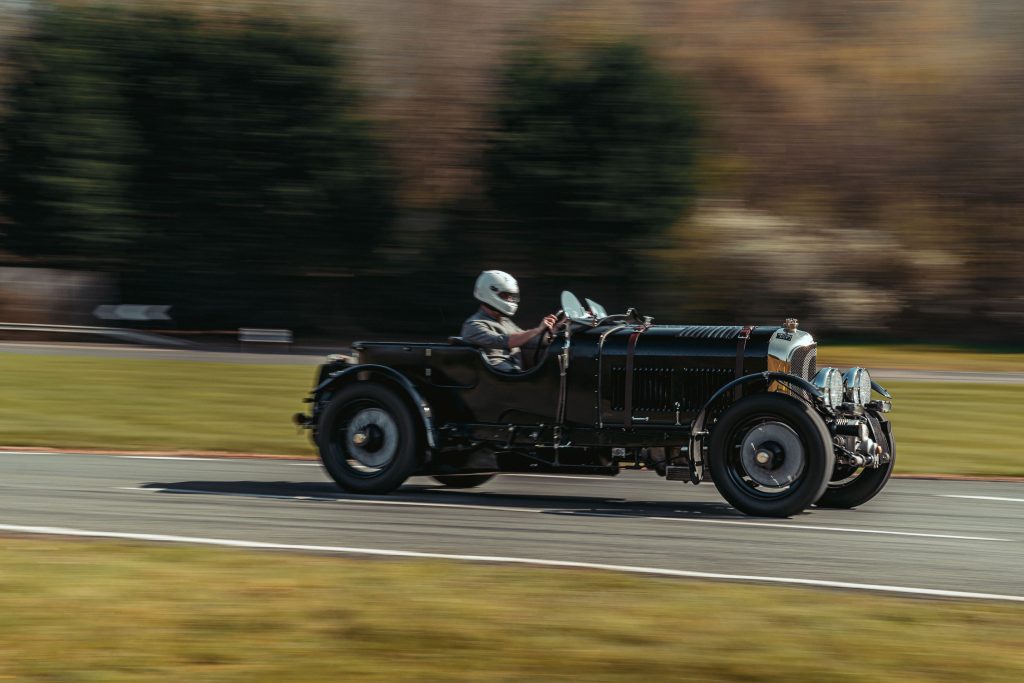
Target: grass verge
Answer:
pixel 920 357
pixel 101 611
pixel 128 403
pixel 83 402
pixel 957 428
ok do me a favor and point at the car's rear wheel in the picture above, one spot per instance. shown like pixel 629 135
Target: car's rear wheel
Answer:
pixel 462 481
pixel 851 486
pixel 770 455
pixel 368 439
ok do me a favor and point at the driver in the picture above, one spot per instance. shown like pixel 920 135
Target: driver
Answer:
pixel 491 329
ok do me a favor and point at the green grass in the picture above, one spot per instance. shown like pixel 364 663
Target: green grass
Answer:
pixel 84 402
pixel 101 611
pixel 958 428
pixel 920 357
pixel 81 402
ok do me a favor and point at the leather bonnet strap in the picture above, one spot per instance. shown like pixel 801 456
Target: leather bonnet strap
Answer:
pixel 630 354
pixel 741 354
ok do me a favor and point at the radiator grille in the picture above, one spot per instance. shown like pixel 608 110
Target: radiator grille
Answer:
pixel 804 361
pixel 699 383
pixel 659 389
pixel 652 389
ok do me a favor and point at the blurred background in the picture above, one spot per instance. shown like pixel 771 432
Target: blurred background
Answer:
pixel 345 168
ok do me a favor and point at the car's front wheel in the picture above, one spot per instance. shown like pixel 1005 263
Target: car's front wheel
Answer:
pixel 368 439
pixel 770 455
pixel 853 486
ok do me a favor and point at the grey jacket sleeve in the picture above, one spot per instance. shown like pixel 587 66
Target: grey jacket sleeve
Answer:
pixel 479 333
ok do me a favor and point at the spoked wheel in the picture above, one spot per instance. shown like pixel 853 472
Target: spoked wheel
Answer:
pixel 462 481
pixel 770 455
pixel 368 439
pixel 853 486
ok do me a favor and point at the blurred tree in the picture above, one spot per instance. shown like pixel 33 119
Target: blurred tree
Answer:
pixel 591 147
pixel 254 156
pixel 69 142
pixel 160 143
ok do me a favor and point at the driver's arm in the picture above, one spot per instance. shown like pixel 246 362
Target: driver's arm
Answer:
pixel 521 338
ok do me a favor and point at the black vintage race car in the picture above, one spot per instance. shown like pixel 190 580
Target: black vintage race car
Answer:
pixel 743 406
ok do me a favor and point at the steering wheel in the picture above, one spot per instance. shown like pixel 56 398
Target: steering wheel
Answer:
pixel 545 339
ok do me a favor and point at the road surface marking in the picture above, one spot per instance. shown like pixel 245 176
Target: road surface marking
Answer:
pixel 848 530
pixel 499 559
pixel 1009 500
pixel 193 458
pixel 35 453
pixel 564 511
pixel 169 457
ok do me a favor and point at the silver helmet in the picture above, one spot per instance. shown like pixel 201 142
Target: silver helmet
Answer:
pixel 499 290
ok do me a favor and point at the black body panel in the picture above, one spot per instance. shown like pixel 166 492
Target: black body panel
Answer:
pixel 675 370
pixel 672 365
pixel 461 386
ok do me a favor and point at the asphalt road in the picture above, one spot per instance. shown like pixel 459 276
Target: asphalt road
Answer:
pixel 306 356
pixel 924 537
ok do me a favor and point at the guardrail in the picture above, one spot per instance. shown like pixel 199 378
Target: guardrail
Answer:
pixel 260 335
pixel 134 336
pixel 142 312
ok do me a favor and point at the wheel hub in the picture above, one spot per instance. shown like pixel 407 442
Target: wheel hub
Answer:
pixel 772 454
pixel 763 456
pixel 372 435
pixel 370 438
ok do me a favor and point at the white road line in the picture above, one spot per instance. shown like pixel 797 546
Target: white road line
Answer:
pixel 847 530
pixel 568 511
pixel 499 559
pixel 76 347
pixel 1009 500
pixel 171 457
pixel 192 458
pixel 35 453
pixel 329 499
pixel 127 457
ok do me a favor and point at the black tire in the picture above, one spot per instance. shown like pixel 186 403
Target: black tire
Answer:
pixel 796 443
pixel 391 437
pixel 849 488
pixel 462 481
